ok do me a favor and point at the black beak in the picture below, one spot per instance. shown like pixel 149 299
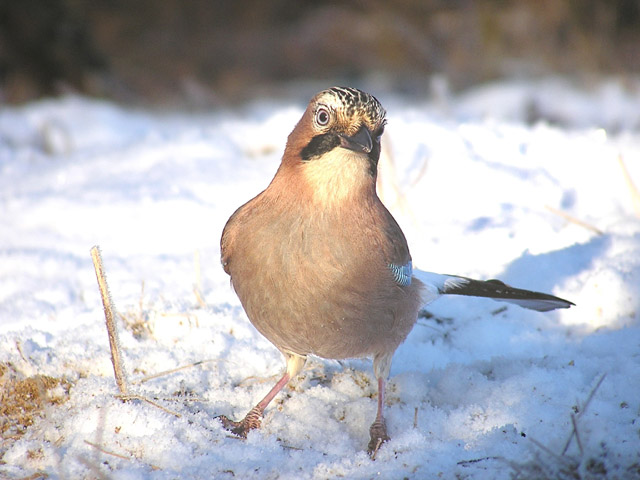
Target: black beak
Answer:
pixel 359 142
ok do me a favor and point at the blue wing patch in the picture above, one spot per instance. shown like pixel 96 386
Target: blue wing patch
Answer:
pixel 402 273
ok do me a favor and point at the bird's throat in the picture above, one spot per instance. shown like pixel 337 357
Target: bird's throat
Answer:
pixel 338 176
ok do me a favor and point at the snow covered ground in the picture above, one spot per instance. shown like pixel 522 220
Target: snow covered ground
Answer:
pixel 479 182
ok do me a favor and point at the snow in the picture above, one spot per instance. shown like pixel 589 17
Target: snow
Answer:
pixel 477 182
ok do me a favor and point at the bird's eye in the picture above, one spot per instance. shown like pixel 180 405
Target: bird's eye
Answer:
pixel 322 116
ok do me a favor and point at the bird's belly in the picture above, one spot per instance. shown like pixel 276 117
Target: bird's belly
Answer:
pixel 326 314
pixel 326 329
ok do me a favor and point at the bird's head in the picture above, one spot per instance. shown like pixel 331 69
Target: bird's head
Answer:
pixel 336 143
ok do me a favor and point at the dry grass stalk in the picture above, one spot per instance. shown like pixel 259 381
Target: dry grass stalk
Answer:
pixel 107 452
pixel 575 431
pixel 574 419
pixel 197 288
pixel 635 193
pixel 136 321
pixel 93 468
pixel 142 398
pixel 114 454
pixel 116 357
pixel 112 331
pixel 559 466
pixel 575 220
pixel 173 370
pixel 478 460
pixel 559 458
pixel 199 299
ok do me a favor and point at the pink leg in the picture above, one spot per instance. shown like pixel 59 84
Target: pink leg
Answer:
pixel 378 429
pixel 253 418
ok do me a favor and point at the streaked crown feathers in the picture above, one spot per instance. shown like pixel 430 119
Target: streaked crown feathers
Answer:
pixel 352 107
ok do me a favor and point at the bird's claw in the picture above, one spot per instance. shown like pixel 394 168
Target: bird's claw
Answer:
pixel 251 421
pixel 378 434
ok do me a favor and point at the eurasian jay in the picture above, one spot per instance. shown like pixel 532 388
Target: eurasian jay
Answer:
pixel 320 265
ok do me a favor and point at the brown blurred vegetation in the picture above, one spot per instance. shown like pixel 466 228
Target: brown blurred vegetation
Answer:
pixel 209 52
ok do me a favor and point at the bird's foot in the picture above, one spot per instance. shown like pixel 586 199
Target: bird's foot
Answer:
pixel 249 422
pixel 378 433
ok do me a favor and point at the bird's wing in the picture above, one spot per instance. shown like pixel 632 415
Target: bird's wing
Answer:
pixel 402 273
pixel 439 284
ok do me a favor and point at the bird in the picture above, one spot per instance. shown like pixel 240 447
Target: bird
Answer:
pixel 320 265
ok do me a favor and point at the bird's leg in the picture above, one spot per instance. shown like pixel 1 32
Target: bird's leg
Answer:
pixel 253 418
pixel 378 429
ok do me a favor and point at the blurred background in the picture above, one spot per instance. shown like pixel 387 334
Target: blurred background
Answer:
pixel 205 53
